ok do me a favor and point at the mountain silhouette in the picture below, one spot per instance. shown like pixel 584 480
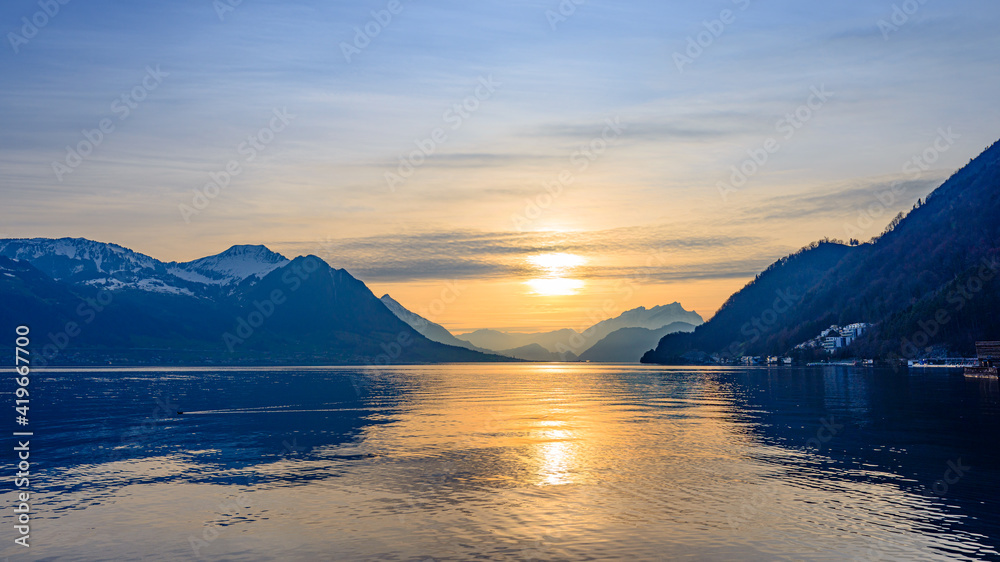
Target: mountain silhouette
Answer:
pixel 928 284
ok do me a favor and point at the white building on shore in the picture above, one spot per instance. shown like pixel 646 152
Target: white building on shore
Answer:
pixel 836 337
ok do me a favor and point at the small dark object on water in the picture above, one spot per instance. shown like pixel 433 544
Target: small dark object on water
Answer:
pixel 180 413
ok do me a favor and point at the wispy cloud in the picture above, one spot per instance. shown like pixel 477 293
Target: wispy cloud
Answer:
pixel 324 177
pixel 839 200
pixel 472 254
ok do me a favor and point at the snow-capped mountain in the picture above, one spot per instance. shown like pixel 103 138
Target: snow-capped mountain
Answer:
pixel 243 316
pixel 69 257
pixel 79 261
pixel 232 266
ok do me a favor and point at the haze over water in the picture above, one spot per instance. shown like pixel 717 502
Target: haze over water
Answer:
pixel 542 461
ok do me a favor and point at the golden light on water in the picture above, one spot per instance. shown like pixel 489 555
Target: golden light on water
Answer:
pixel 556 268
pixel 557 459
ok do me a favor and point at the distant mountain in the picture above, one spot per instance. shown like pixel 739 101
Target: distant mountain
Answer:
pixel 535 352
pixel 88 302
pixel 498 341
pixel 626 345
pixel 570 342
pixel 653 318
pixel 430 330
pixel 930 280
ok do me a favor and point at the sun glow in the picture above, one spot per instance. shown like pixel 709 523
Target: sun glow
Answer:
pixel 555 287
pixel 555 268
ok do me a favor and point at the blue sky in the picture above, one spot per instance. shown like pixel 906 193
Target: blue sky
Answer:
pixel 319 186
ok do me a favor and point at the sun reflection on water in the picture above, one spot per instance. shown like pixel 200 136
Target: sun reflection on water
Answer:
pixel 557 456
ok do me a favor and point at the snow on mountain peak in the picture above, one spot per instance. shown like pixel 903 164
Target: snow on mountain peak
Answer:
pixel 114 267
pixel 234 265
pixel 257 251
pixel 78 254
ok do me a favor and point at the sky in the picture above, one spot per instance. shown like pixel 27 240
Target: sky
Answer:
pixel 517 165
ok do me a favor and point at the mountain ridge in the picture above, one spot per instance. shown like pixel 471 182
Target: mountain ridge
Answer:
pixel 567 340
pixel 272 311
pixel 899 282
pixel 561 339
pixel 626 345
pixel 430 330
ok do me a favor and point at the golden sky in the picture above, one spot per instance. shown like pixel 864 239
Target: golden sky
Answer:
pixel 461 144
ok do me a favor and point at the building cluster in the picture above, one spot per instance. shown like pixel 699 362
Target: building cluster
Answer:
pixel 835 337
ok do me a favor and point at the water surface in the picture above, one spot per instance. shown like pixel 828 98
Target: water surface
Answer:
pixel 543 461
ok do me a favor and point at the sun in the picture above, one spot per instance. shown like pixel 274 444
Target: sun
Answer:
pixel 555 287
pixel 555 269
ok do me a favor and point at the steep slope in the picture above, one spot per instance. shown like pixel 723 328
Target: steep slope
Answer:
pixel 627 345
pixel 325 314
pixel 899 282
pixel 917 264
pixel 759 313
pixel 430 330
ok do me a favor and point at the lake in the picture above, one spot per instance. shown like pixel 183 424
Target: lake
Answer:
pixel 511 462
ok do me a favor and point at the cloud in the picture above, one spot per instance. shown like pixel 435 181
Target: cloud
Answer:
pixel 498 255
pixel 836 200
pixel 324 175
